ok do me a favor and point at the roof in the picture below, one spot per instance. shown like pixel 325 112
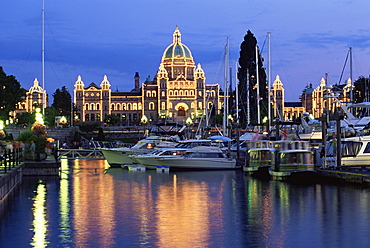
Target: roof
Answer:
pixel 177 49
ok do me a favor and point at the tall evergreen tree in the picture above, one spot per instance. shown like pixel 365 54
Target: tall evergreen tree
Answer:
pixel 62 102
pixel 247 63
pixel 11 93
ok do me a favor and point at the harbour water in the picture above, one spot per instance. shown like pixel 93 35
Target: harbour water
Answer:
pixel 92 205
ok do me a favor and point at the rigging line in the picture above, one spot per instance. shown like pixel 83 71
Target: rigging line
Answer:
pixel 264 43
pixel 344 66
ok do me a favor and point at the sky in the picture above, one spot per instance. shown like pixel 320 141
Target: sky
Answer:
pixel 93 38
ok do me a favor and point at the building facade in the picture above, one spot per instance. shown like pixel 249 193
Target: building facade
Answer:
pixel 177 93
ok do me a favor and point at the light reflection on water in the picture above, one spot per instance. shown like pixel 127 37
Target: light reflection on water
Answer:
pixel 93 206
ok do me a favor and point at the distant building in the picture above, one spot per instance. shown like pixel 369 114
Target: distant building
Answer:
pixel 35 97
pixel 177 92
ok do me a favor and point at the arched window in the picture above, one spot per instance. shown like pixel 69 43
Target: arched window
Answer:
pixel 181 111
pixel 170 93
pixel 134 106
pixel 154 93
pixel 148 93
pixel 192 92
pixel 186 92
pixel 97 106
pixel 129 106
pixel 86 106
pixel 200 93
pixel 163 106
pixel 163 94
pixel 176 93
pixel 151 106
pixel 170 105
pixel 118 106
pixel 181 93
pixel 92 106
pixel 123 106
pixel 140 106
pixel 112 106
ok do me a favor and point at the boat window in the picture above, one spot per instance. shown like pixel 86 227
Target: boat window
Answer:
pixel 350 149
pixel 367 148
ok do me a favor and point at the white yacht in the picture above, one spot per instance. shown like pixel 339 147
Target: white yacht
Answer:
pixel 355 152
pixel 151 160
pixel 120 156
pixel 200 157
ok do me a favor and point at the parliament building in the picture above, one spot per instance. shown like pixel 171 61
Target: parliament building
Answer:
pixel 177 93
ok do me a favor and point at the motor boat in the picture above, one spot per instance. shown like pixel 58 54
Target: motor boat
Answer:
pixel 120 156
pixel 200 157
pixel 260 156
pixel 291 157
pixel 355 152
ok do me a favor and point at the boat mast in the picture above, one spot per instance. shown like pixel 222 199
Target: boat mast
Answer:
pixel 350 73
pixel 248 106
pixel 258 89
pixel 226 87
pixel 269 80
pixel 43 58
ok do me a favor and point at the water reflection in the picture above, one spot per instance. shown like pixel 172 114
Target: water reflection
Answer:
pixel 39 223
pixel 92 206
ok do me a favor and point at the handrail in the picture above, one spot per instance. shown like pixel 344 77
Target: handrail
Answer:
pixel 11 158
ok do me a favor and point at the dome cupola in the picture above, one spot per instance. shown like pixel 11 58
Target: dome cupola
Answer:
pixel 177 49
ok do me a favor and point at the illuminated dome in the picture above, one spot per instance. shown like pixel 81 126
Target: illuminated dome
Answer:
pixel 36 87
pixel 177 49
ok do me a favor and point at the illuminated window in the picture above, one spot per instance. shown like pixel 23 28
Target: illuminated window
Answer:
pixel 154 93
pixel 151 106
pixel 118 106
pixel 148 94
pixel 200 93
pixel 112 106
pixel 181 93
pixel 140 106
pixel 123 106
pixel 192 105
pixel 163 105
pixel 170 105
pixel 176 93
pixel 129 106
pixel 170 93
pixel 200 105
pixel 134 106
pixel 181 111
pixel 186 92
pixel 86 106
pixel 163 94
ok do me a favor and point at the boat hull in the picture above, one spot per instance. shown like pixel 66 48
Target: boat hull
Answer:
pixel 199 163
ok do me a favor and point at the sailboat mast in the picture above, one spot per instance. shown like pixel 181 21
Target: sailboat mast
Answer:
pixel 226 87
pixel 258 89
pixel 350 73
pixel 248 101
pixel 269 80
pixel 43 58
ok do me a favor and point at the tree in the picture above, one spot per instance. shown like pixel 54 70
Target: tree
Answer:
pixel 247 73
pixel 24 119
pixel 50 114
pixel 62 102
pixel 111 120
pixel 11 93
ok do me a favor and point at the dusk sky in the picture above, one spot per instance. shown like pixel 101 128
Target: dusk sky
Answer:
pixel 120 37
